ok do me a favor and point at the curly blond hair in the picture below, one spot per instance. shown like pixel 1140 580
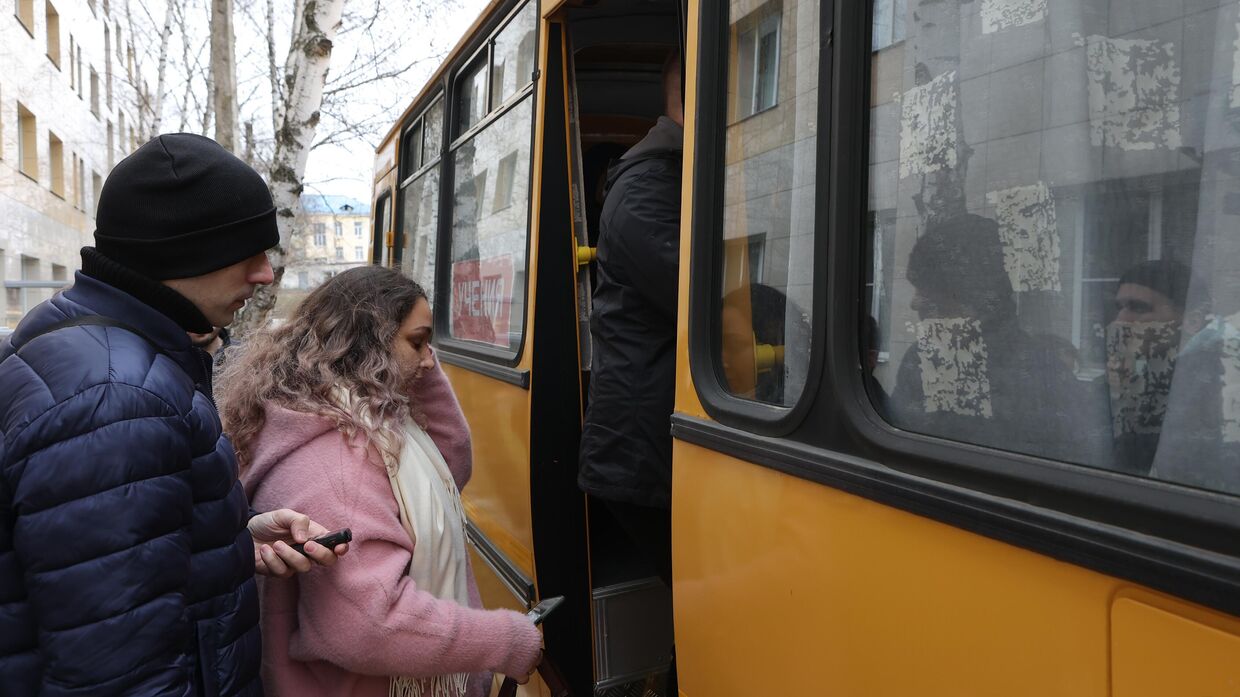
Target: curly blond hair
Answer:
pixel 333 358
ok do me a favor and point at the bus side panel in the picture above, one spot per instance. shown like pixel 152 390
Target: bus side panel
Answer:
pixel 497 498
pixel 784 586
pixel 496 595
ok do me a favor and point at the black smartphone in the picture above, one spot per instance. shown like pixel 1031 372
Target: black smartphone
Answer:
pixel 541 610
pixel 330 540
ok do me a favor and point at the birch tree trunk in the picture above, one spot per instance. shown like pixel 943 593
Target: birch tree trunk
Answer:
pixel 309 58
pixel 224 73
pixel 277 94
pixel 161 81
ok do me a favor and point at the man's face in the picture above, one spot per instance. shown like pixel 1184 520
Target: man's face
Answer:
pixel 221 293
pixel 1135 303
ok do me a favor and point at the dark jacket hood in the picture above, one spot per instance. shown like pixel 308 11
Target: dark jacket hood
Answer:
pixel 665 136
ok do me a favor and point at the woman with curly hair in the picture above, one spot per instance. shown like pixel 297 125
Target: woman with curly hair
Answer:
pixel 344 413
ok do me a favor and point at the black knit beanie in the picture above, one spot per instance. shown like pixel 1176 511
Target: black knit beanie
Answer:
pixel 181 206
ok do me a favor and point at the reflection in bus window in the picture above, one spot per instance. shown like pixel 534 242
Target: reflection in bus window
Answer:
pixel 432 131
pixel 490 205
pixel 768 199
pixel 420 224
pixel 471 95
pixel 513 61
pixel 1052 216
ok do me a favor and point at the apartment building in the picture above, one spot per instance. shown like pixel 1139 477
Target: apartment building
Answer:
pixel 335 236
pixel 70 95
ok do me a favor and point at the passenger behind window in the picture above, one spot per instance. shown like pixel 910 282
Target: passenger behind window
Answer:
pixel 1142 345
pixel 1200 440
pixel 973 374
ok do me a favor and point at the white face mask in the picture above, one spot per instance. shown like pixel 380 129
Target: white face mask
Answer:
pixel 1140 364
pixel 955 371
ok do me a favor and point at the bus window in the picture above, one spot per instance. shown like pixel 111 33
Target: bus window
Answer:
pixel 432 131
pixel 513 56
pixel 419 223
pixel 419 197
pixel 1052 214
pixel 471 95
pixel 490 202
pixel 381 226
pixel 768 200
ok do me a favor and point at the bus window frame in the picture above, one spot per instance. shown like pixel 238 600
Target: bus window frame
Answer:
pixel 1164 509
pixel 476 355
pixel 378 236
pixel 1174 538
pixel 398 196
pixel 705 301
pixel 419 122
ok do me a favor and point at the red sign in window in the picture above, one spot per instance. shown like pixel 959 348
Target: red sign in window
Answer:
pixel 482 300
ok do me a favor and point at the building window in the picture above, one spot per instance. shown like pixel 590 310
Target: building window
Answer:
pixel 758 71
pixel 338 227
pixel 56 158
pixel 72 65
pixel 888 26
pixel 320 234
pixel 53 35
pixel 107 62
pixel 27 143
pixel 80 87
pixel 81 185
pixel 503 182
pixel 359 254
pixel 339 253
pixel 25 14
pixel 94 92
pixel 120 132
pixel 96 187
pixel 357 229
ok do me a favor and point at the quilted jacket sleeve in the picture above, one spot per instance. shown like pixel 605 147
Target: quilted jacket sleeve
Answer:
pixel 101 508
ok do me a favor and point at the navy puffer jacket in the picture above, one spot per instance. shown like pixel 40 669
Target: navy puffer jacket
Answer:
pixel 125 563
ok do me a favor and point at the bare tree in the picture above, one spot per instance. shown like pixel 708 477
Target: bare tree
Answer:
pixel 224 73
pixel 305 75
pixel 161 80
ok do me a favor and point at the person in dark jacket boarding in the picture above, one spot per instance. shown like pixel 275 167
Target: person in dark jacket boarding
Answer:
pixel 127 548
pixel 626 439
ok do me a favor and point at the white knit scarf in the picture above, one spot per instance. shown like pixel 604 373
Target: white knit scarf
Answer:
pixel 431 512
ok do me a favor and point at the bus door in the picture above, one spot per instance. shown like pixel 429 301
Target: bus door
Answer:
pixel 614 53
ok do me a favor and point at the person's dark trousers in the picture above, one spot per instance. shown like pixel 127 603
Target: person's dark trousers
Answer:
pixel 650 530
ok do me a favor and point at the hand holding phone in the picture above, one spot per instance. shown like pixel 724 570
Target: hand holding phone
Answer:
pixel 541 610
pixel 330 540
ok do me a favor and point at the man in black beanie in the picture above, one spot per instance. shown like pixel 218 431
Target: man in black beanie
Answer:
pixel 127 548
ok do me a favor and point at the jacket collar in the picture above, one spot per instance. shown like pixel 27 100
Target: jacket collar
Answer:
pixel 90 296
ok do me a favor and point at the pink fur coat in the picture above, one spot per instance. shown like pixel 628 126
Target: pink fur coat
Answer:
pixel 345 630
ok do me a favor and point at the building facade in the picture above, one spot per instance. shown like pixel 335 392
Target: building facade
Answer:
pixel 335 236
pixel 69 110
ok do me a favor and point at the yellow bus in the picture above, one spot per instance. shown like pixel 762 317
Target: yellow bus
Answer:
pixel 958 347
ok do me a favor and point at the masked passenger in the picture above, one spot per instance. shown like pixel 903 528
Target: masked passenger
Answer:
pixel 972 374
pixel 1199 439
pixel 1143 345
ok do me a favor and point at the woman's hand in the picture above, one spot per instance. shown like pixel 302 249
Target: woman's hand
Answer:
pixel 526 678
pixel 273 534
